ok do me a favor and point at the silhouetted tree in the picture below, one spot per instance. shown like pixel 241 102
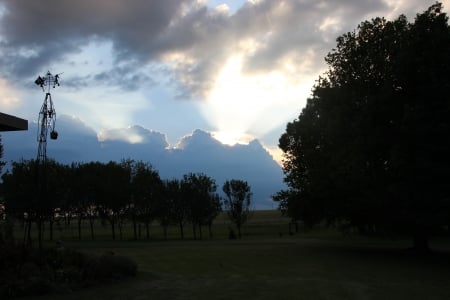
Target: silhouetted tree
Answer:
pixel 165 206
pixel 237 202
pixel 114 190
pixel 2 204
pixel 83 193
pixel 2 163
pixel 369 150
pixel 21 194
pixel 180 213
pixel 147 189
pixel 200 192
pixel 56 192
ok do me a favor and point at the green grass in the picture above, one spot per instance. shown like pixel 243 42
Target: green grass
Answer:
pixel 319 264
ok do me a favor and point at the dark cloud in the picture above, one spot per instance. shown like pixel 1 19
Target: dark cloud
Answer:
pixel 34 33
pixel 127 78
pixel 37 32
pixel 293 28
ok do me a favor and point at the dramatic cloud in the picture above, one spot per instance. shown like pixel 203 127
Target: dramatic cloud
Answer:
pixel 192 39
pixel 250 65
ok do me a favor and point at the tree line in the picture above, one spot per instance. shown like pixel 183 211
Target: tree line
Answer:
pixel 115 193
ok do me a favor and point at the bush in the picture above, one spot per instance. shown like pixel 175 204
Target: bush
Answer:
pixel 29 272
pixel 109 267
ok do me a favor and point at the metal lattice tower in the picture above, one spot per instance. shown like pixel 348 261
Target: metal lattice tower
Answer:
pixel 47 115
pixel 47 118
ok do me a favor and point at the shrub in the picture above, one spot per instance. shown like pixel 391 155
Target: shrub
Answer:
pixel 29 272
pixel 109 267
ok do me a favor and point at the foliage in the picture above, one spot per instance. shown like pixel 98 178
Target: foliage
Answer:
pixel 146 192
pixel 114 193
pixel 2 163
pixel 369 150
pixel 204 203
pixel 179 205
pixel 29 272
pixel 237 202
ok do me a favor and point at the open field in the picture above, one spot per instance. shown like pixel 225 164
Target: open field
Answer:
pixel 319 264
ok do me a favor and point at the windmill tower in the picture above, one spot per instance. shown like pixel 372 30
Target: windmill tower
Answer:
pixel 47 115
pixel 47 118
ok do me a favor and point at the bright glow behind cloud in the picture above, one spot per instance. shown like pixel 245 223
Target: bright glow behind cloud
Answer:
pixel 241 105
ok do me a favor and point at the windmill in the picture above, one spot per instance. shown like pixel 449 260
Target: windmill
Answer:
pixel 47 115
pixel 47 118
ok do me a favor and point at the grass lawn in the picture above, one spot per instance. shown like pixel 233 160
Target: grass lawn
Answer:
pixel 265 265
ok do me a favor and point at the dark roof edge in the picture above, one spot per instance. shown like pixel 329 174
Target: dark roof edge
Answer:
pixel 12 123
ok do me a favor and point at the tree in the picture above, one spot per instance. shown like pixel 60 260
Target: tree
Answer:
pixel 369 150
pixel 237 203
pixel 180 210
pixel 83 193
pixel 2 163
pixel 147 190
pixel 19 192
pixel 200 192
pixel 113 189
pixel 21 195
pixel 2 204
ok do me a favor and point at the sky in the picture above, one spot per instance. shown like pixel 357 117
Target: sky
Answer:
pixel 239 69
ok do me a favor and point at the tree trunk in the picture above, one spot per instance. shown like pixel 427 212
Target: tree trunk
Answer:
pixel 147 225
pixel 134 226
pixel 420 239
pixel 194 230
pixel 39 226
pixel 79 228
pixel 27 236
pixel 119 224
pixel 113 228
pixel 67 219
pixel 210 230
pixel 91 223
pixel 182 230
pixel 165 231
pixel 51 228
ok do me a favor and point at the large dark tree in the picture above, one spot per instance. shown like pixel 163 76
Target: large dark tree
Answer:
pixel 370 149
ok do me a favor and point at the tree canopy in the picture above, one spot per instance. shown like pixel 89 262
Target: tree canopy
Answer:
pixel 370 149
pixel 111 192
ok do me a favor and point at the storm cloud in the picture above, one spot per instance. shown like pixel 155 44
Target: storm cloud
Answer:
pixel 189 38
